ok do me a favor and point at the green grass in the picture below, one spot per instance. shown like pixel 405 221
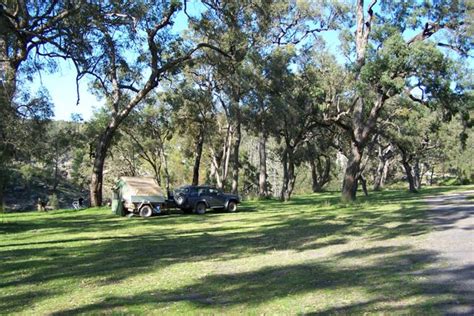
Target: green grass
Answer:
pixel 310 255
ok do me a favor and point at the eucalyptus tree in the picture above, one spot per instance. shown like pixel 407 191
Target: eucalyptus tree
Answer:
pixel 238 28
pixel 256 113
pixel 130 61
pixel 414 131
pixel 320 152
pixel 388 62
pixel 385 156
pixel 147 131
pixel 255 28
pixel 295 110
pixel 194 113
pixel 32 30
pixel 59 140
pixel 455 157
pixel 23 124
pixel 29 32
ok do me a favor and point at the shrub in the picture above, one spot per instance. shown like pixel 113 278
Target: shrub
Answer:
pixel 53 201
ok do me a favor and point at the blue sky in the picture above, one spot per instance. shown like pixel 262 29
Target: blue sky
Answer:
pixel 61 84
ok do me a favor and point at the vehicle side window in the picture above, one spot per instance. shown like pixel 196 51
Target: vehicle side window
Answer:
pixel 203 191
pixel 213 191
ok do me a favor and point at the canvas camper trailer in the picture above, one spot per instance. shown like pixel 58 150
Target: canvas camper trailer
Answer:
pixel 140 195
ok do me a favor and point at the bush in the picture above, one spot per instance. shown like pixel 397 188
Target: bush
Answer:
pixel 53 201
pixel 455 181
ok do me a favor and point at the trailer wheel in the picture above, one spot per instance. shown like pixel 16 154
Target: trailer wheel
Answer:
pixel 146 211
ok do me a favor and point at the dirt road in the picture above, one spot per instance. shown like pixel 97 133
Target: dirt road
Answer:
pixel 453 239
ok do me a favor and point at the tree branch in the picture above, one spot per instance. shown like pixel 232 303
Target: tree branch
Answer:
pixel 455 48
pixel 428 30
pixel 128 87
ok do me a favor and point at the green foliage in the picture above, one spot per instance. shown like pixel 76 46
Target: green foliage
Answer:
pixel 27 173
pixel 53 201
pixel 269 72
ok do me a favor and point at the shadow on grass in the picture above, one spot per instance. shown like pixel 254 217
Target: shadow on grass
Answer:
pixel 116 258
pixel 387 281
pixel 15 303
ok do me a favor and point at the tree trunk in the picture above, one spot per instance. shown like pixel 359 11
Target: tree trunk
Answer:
pixel 431 176
pixel 98 167
pixel 314 176
pixel 56 175
pixel 385 172
pixel 235 158
pixel 417 174
pixel 411 180
pixel 409 174
pixel 349 187
pixel 363 181
pixel 320 175
pixel 1 194
pixel 7 113
pixel 286 177
pixel 165 168
pixel 379 174
pixel 215 167
pixel 197 159
pixel 226 152
pixel 156 168
pixel 262 153
pixel 289 177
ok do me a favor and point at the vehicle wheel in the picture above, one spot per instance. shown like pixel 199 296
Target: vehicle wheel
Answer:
pixel 232 206
pixel 180 200
pixel 200 208
pixel 146 211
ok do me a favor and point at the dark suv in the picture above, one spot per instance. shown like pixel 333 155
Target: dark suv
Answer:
pixel 199 198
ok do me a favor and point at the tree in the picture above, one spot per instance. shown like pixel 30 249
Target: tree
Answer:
pixel 22 128
pixel 59 141
pixel 149 129
pixel 319 152
pixel 385 155
pixel 123 54
pixel 237 27
pixel 414 133
pixel 194 113
pixel 29 31
pixel 295 110
pixel 386 65
pixel 257 111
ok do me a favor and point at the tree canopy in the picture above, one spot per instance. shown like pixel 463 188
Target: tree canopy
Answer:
pixel 251 95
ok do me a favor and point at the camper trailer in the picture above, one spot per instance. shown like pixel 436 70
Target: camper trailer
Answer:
pixel 138 195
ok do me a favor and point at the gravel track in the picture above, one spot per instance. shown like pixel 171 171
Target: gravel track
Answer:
pixel 452 217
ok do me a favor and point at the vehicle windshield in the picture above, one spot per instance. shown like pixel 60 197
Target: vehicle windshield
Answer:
pixel 182 190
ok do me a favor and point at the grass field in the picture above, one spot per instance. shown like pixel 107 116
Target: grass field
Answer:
pixel 310 255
